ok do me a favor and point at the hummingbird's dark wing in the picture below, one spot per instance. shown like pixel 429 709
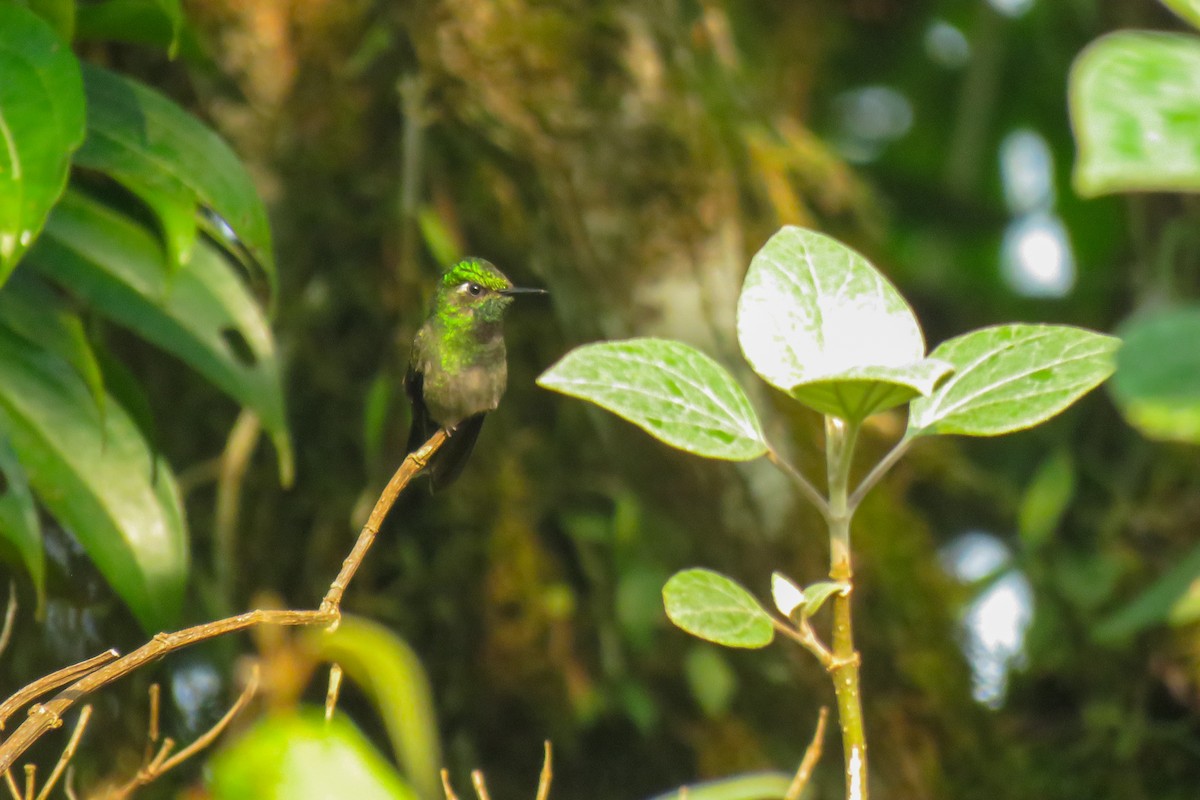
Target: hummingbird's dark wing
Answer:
pixel 448 462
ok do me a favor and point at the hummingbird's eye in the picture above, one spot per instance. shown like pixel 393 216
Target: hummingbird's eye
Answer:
pixel 475 289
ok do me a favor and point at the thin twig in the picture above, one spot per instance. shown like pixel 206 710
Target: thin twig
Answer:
pixel 10 616
pixel 802 483
pixel 11 783
pixel 69 784
pixel 50 682
pixel 235 459
pixel 68 752
pixel 30 780
pixel 811 756
pixel 446 787
pixel 335 686
pixel 878 471
pixel 481 790
pixel 543 790
pixel 807 639
pixel 43 718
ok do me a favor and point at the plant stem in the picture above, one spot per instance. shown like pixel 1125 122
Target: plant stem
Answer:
pixel 840 437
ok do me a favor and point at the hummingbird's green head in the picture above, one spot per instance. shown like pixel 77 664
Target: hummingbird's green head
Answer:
pixel 475 290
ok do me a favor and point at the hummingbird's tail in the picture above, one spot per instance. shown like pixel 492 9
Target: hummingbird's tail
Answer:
pixel 448 462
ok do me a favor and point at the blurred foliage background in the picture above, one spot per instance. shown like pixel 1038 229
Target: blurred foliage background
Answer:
pixel 630 157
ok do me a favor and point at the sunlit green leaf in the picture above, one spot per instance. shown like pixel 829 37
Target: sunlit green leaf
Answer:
pixel 816 320
pixel 709 605
pixel 671 390
pixel 98 478
pixel 303 757
pixel 1011 377
pixel 1157 382
pixel 153 22
pixel 165 155
pixel 1135 109
pixel 41 124
pixel 204 314
pixel 751 786
pixel 1046 499
pixel 20 531
pixel 389 671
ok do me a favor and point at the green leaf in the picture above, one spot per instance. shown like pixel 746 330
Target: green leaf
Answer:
pixel 1135 110
pixel 710 678
pixel 1187 9
pixel 1046 499
pixel 60 14
pixel 1171 598
pixel 673 391
pixel 1011 377
pixel 1157 382
pixel 303 757
pixel 20 531
pixel 33 311
pixel 153 22
pixel 817 321
pixel 709 605
pixel 389 671
pixel 98 478
pixel 41 124
pixel 815 595
pixel 204 314
pixel 166 156
pixel 751 786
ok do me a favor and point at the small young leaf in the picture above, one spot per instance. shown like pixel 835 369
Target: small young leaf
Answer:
pixel 1012 377
pixel 671 390
pixel 41 124
pixel 709 605
pixel 860 392
pixel 812 310
pixel 1135 109
pixel 786 594
pixel 816 594
pixel 1157 382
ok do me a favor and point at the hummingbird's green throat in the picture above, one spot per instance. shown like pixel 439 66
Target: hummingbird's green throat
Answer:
pixel 458 369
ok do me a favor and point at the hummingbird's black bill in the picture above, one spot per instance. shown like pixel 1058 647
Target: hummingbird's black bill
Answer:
pixel 522 290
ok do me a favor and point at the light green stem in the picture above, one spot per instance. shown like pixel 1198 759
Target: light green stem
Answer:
pixel 840 438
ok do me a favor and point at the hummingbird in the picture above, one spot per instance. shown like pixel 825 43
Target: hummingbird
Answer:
pixel 458 369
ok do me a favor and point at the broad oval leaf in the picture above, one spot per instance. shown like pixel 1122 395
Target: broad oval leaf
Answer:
pixel 170 159
pixel 1011 377
pixel 98 477
pixel 204 314
pixel 303 757
pixel 41 124
pixel 816 320
pixel 389 671
pixel 673 391
pixel 20 531
pixel 709 605
pixel 1157 382
pixel 1135 110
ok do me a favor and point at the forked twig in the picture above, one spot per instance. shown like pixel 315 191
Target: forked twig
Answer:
pixel 108 667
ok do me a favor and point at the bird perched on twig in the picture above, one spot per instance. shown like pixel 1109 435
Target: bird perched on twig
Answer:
pixel 458 368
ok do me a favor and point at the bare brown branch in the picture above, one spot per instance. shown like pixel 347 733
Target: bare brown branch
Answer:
pixel 103 670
